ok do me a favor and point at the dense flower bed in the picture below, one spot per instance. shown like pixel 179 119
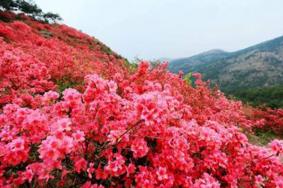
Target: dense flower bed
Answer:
pixel 36 57
pixel 116 128
pixel 270 119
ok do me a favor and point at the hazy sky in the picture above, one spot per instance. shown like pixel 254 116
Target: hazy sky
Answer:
pixel 152 29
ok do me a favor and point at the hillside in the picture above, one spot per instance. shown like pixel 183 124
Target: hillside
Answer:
pixel 268 96
pixel 75 114
pixel 257 66
pixel 58 55
pixel 185 64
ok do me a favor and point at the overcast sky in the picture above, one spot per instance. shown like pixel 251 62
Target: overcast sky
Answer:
pixel 151 29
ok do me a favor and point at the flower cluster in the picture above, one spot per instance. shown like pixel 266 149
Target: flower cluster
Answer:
pixel 268 119
pixel 37 57
pixel 112 135
pixel 146 128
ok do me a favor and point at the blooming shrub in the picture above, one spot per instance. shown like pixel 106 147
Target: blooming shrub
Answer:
pixel 271 119
pixel 115 128
pixel 37 57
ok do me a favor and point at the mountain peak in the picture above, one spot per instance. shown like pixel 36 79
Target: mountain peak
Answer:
pixel 256 66
pixel 213 51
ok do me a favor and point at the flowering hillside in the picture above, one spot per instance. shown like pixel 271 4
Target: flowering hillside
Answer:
pixel 73 114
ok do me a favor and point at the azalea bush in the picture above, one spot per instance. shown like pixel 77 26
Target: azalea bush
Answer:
pixel 38 57
pixel 271 119
pixel 72 115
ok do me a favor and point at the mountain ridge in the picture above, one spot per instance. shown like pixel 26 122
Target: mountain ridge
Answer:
pixel 260 65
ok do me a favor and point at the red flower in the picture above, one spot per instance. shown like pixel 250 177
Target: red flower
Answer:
pixel 80 165
pixel 139 148
pixel 70 111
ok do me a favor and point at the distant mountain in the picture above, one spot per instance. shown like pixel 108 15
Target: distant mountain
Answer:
pixel 260 65
pixel 164 59
pixel 186 64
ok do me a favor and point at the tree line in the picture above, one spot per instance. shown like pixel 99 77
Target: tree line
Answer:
pixel 265 96
pixel 30 9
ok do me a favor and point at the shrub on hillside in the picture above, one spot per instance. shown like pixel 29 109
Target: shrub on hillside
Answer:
pixel 143 136
pixel 116 128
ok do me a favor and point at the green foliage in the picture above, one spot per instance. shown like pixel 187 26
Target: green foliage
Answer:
pixel 132 66
pixel 188 78
pixel 66 83
pixel 51 17
pixel 155 64
pixel 46 34
pixel 266 96
pixel 254 67
pixel 106 49
pixel 8 4
pixel 261 137
pixel 29 8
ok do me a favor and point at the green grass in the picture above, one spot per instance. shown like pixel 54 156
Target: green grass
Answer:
pixel 261 137
pixel 66 83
